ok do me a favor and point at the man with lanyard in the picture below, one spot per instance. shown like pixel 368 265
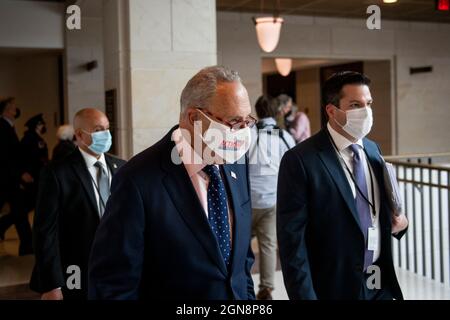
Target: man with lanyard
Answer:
pixel 334 222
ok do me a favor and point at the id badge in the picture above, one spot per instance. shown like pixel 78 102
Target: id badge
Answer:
pixel 372 239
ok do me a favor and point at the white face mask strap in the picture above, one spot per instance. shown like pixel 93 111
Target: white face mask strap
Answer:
pixel 337 122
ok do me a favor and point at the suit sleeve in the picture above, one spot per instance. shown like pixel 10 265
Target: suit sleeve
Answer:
pixel 248 267
pixel 47 273
pixel 400 234
pixel 116 259
pixel 292 219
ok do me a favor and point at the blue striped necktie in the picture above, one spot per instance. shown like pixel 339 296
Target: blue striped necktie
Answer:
pixel 362 205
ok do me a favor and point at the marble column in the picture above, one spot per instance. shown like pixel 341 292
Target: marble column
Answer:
pixel 152 48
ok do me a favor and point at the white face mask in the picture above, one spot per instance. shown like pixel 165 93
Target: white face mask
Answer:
pixel 229 146
pixel 359 122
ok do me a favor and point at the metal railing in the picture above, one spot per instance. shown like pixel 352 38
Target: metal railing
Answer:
pixel 424 184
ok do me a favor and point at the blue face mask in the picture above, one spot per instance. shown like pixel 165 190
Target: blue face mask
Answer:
pixel 101 142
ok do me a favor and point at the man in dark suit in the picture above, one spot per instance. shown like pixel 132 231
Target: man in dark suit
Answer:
pixel 13 177
pixel 178 222
pixel 71 201
pixel 334 224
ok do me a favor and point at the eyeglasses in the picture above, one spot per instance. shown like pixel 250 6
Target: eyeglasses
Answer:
pixel 234 124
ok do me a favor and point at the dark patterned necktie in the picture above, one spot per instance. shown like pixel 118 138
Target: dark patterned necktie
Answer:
pixel 362 205
pixel 218 211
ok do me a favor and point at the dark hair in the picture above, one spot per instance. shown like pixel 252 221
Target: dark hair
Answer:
pixel 265 107
pixel 4 103
pixel 332 89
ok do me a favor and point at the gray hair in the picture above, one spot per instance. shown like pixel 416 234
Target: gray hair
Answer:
pixel 65 132
pixel 202 87
pixel 284 99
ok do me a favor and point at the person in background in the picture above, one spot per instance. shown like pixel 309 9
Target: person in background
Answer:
pixel 71 201
pixel 12 176
pixel 295 121
pixel 65 145
pixel 34 153
pixel 269 143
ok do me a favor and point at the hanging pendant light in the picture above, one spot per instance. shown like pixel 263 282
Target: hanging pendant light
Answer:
pixel 268 32
pixel 268 29
pixel 284 66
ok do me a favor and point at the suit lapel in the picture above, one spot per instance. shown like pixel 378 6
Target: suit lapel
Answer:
pixel 183 195
pixel 81 171
pixel 374 158
pixel 113 167
pixel 331 161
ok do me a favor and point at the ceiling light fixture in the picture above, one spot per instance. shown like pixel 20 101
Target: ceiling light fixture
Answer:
pixel 284 66
pixel 268 30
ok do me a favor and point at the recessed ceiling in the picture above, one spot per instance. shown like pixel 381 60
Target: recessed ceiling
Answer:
pixel 412 10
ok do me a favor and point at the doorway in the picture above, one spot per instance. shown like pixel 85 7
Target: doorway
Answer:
pixel 307 77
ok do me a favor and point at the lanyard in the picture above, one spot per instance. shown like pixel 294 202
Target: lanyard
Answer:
pixel 372 206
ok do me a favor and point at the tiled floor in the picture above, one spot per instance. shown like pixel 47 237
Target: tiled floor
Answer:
pixel 15 274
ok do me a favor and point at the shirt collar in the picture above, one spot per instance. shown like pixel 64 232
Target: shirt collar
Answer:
pixel 340 141
pixel 9 121
pixel 192 161
pixel 91 160
pixel 268 120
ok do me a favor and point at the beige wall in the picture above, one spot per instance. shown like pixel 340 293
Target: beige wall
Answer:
pixel 33 79
pixel 85 88
pixel 380 88
pixel 420 101
pixel 308 95
pixel 31 24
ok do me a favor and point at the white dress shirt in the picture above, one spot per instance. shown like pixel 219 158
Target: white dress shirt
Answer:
pixel 90 161
pixel 343 144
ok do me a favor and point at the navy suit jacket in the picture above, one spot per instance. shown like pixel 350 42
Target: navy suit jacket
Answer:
pixel 155 240
pixel 321 242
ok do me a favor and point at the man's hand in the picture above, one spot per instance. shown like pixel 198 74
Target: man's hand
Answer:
pixel 27 178
pixel 55 294
pixel 399 223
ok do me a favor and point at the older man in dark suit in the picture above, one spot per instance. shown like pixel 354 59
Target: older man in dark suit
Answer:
pixel 178 222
